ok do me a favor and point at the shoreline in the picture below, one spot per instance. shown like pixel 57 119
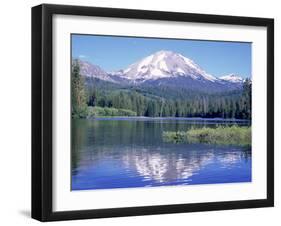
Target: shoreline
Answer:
pixel 167 118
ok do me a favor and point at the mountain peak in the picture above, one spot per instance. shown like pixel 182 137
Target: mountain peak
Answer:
pixel 232 78
pixel 90 70
pixel 165 64
pixel 166 53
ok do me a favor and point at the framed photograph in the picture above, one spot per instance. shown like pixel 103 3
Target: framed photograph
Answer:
pixel 145 112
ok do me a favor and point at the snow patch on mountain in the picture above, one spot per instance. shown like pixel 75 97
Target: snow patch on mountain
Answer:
pixel 232 78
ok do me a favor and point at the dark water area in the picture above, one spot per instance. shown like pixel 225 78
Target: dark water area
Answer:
pixel 130 152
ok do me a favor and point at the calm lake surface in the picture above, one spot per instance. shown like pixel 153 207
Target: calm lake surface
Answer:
pixel 129 152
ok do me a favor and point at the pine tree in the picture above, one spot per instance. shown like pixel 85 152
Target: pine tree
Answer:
pixel 78 94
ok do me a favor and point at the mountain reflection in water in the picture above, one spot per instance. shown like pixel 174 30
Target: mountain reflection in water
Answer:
pixel 130 162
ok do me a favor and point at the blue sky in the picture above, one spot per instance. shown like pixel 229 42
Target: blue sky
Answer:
pixel 113 53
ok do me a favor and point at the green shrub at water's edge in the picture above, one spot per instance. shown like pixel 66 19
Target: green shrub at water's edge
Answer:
pixel 234 135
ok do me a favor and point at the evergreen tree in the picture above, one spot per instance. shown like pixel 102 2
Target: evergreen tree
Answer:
pixel 78 95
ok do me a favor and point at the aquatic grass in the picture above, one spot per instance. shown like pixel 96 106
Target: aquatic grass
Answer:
pixel 224 135
pixel 175 137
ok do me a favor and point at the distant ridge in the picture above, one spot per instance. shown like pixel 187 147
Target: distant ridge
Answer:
pixel 164 68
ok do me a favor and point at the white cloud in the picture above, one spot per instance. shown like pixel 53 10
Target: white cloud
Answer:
pixel 82 56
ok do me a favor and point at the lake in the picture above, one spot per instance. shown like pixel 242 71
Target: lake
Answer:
pixel 130 152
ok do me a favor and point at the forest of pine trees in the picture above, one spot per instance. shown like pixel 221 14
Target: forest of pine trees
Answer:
pixel 159 102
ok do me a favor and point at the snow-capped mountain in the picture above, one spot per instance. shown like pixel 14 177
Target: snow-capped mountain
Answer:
pixel 90 70
pixel 232 78
pixel 164 64
pixel 164 69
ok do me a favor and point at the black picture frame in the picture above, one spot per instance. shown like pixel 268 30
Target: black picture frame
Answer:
pixel 42 107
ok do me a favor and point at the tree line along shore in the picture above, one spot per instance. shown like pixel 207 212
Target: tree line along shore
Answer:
pixel 93 98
